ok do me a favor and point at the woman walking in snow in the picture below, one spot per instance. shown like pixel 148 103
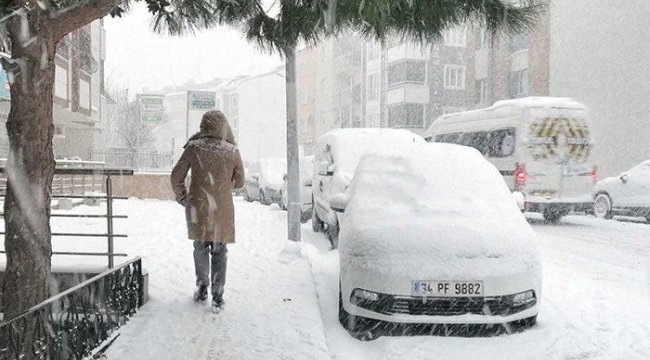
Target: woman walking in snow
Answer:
pixel 216 169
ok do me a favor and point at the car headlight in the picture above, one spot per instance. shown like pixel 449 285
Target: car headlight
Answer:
pixel 523 298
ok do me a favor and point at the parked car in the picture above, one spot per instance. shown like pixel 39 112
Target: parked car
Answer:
pixel 336 157
pixel 541 145
pixel 306 172
pixel 627 194
pixel 264 180
pixel 431 234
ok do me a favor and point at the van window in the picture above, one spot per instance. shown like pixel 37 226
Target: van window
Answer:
pixel 494 143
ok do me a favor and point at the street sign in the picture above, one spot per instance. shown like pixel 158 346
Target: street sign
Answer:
pixel 201 100
pixel 151 108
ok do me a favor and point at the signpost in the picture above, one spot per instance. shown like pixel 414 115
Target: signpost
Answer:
pixel 151 108
pixel 198 100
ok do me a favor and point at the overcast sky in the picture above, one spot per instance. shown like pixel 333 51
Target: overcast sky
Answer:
pixel 136 57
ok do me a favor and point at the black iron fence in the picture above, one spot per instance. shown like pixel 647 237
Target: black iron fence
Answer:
pixel 107 195
pixel 74 323
pixel 136 160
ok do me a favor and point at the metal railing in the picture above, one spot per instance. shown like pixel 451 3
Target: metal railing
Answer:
pixel 74 323
pixel 109 216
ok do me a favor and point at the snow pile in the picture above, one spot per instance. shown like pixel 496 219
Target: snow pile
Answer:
pixel 348 145
pixel 435 209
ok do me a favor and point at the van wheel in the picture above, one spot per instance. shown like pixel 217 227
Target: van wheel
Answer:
pixel 316 223
pixel 552 216
pixel 603 206
pixel 358 327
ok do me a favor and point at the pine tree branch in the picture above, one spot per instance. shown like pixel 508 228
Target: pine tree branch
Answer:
pixel 68 19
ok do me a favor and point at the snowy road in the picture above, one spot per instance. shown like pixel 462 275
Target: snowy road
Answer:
pixel 595 297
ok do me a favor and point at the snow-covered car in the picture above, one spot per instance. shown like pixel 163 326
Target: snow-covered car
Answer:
pixel 627 194
pixel 336 157
pixel 306 171
pixel 431 234
pixel 264 180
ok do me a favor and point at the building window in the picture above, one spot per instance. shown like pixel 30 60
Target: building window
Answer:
pixel 519 42
pixel 483 39
pixel 63 47
pixel 61 82
pixel 373 87
pixel 454 77
pixel 519 83
pixel 87 63
pixel 456 37
pixel 482 91
pixel 412 71
pixel 406 116
pixel 322 118
pixel 84 94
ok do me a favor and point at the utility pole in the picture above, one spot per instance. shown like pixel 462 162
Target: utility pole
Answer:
pixel 293 160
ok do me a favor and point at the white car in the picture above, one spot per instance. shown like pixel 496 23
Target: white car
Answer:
pixel 306 170
pixel 264 180
pixel 432 235
pixel 627 194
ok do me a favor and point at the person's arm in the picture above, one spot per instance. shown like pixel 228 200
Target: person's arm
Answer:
pixel 238 176
pixel 179 173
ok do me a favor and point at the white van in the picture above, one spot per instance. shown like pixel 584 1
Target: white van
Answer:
pixel 336 157
pixel 541 145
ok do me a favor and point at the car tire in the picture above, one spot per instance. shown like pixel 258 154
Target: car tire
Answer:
pixel 603 206
pixel 333 234
pixel 316 223
pixel 358 327
pixel 247 197
pixel 552 216
pixel 263 199
pixel 283 206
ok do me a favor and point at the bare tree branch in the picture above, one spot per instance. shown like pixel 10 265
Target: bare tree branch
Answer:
pixel 66 20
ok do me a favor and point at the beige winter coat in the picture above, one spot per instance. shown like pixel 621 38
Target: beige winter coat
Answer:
pixel 216 169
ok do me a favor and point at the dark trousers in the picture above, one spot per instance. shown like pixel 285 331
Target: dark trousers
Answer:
pixel 211 271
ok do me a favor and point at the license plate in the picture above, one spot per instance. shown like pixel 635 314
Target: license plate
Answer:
pixel 446 288
pixel 572 170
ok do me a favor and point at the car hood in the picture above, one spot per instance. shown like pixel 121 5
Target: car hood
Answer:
pixel 444 248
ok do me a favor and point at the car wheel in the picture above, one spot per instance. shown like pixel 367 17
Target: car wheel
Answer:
pixel 358 327
pixel 333 234
pixel 316 223
pixel 263 199
pixel 552 216
pixel 647 218
pixel 283 205
pixel 603 206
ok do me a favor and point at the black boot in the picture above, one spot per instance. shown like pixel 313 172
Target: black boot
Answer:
pixel 201 293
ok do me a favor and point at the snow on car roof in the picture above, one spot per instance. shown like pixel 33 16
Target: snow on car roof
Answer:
pixel 433 204
pixel 348 145
pixel 272 171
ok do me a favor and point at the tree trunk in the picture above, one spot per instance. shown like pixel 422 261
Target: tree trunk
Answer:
pixel 30 165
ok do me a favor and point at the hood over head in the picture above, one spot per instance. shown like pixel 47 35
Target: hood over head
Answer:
pixel 214 125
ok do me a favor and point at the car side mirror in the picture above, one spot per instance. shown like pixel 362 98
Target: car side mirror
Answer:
pixel 624 178
pixel 324 169
pixel 339 202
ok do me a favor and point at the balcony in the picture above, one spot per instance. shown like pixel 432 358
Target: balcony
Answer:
pixel 408 93
pixel 407 51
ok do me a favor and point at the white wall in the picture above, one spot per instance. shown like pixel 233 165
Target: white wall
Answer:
pixel 600 55
pixel 262 116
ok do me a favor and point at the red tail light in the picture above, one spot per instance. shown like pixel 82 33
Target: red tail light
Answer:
pixel 521 175
pixel 594 174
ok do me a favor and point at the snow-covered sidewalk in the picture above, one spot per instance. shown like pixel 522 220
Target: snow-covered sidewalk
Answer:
pixel 271 306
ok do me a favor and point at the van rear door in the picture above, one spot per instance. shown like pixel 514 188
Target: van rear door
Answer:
pixel 560 144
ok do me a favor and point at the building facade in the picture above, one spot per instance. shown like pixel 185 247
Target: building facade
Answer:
pixel 565 55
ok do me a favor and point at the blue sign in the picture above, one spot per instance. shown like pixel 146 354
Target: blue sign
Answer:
pixel 4 85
